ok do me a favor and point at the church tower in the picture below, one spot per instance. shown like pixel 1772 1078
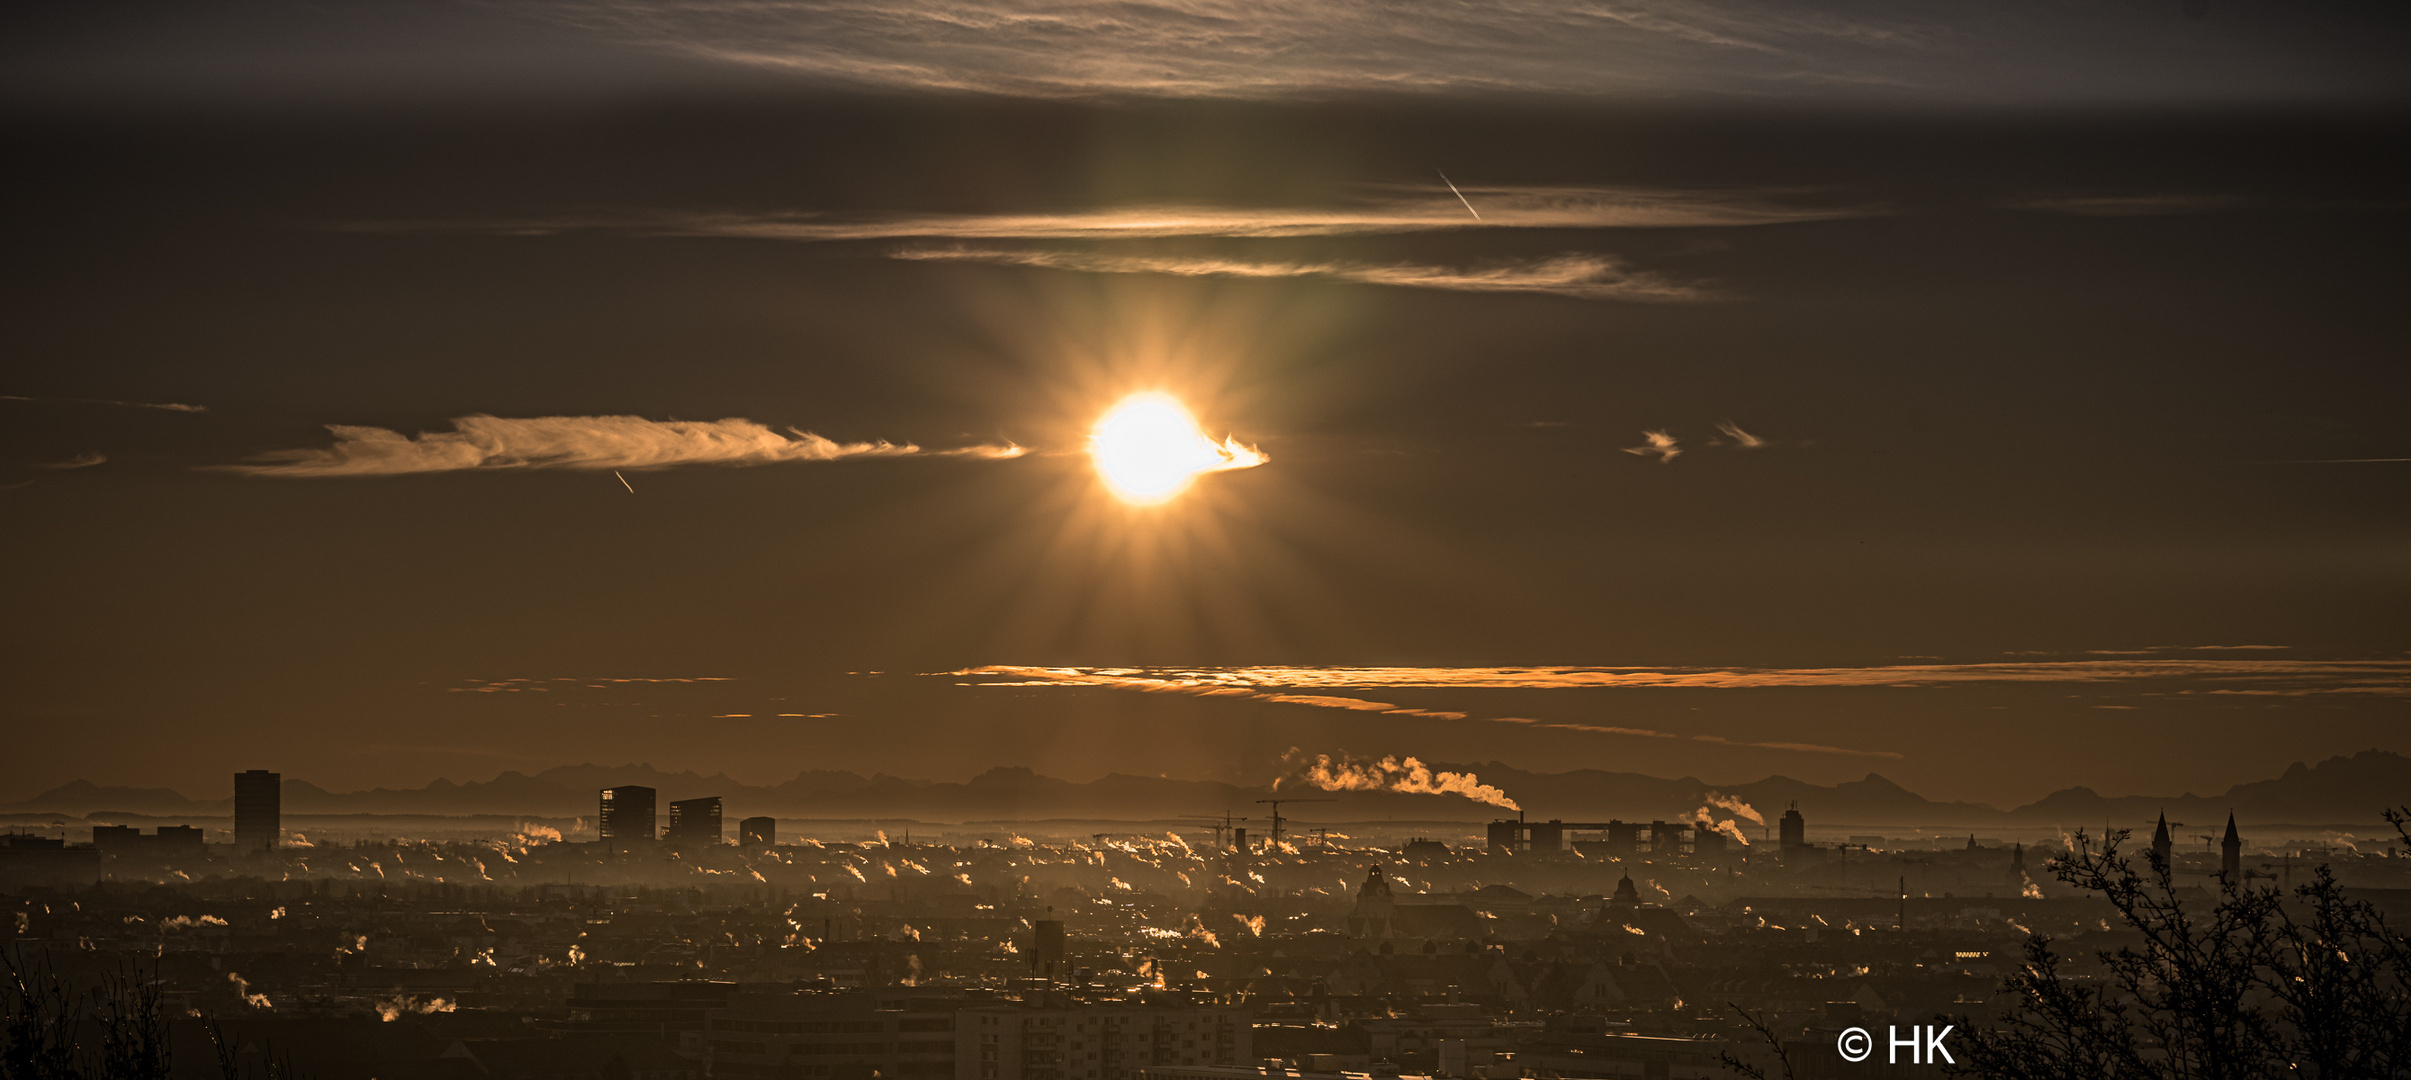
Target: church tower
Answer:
pixel 1374 909
pixel 2231 852
pixel 1626 896
pixel 2159 840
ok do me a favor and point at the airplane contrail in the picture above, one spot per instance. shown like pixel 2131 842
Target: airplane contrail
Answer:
pixel 1452 188
pixel 623 482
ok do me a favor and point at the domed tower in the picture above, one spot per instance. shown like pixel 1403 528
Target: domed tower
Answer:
pixel 1626 895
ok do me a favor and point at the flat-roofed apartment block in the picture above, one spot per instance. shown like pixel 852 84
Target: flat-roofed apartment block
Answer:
pixel 1096 1041
pixel 844 1035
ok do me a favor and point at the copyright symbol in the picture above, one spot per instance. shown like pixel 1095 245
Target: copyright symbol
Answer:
pixel 1855 1044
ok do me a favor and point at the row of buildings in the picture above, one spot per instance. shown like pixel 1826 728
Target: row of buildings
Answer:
pixel 627 818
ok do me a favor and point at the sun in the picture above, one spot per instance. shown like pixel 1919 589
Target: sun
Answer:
pixel 1148 449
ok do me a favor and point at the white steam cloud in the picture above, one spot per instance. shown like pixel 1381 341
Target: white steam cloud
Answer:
pixel 1404 775
pixel 1734 806
pixel 1706 820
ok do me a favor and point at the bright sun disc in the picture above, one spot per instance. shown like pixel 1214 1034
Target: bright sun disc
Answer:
pixel 1148 449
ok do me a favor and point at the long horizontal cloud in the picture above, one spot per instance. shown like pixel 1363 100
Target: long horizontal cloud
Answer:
pixel 1324 687
pixel 1395 211
pixel 484 443
pixel 2298 676
pixel 2160 205
pixel 1646 48
pixel 1595 277
pixel 1252 684
pixel 163 406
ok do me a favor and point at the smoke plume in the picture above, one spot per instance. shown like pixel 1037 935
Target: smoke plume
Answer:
pixel 1702 818
pixel 1734 806
pixel 1408 775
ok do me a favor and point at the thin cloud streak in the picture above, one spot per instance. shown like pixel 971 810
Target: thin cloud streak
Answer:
pixel 2380 676
pixel 1591 277
pixel 79 461
pixel 594 443
pixel 1650 49
pixel 1506 207
pixel 1241 683
pixel 1237 48
pixel 1318 686
pixel 163 406
pixel 2113 206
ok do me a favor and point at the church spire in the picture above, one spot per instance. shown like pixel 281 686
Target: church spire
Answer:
pixel 2160 844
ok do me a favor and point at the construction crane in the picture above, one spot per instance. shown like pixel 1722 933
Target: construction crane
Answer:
pixel 1277 819
pixel 1221 826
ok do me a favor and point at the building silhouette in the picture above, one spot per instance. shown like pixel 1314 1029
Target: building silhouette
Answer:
pixel 1792 831
pixel 627 816
pixel 1376 909
pixel 2161 843
pixel 258 810
pixel 694 822
pixel 1627 896
pixel 2231 852
pixel 758 832
pixel 127 842
pixel 1047 956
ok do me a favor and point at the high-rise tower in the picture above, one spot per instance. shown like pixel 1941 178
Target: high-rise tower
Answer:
pixel 695 823
pixel 258 810
pixel 627 815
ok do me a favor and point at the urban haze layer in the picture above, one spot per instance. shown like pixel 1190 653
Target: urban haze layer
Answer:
pixel 1290 932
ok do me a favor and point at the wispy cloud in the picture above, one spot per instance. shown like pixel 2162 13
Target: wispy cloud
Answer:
pixel 2155 205
pixel 1739 438
pixel 1635 48
pixel 2388 676
pixel 1656 444
pixel 163 406
pixel 1267 684
pixel 1594 277
pixel 1391 211
pixel 1238 48
pixel 486 443
pixel 1326 687
pixel 84 460
pixel 565 682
